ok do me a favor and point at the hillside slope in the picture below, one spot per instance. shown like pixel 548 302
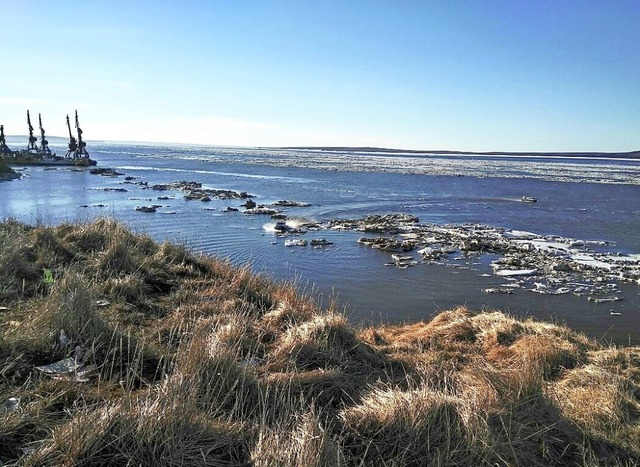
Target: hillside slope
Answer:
pixel 165 358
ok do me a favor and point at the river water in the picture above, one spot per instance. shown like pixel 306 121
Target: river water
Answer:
pixel 580 198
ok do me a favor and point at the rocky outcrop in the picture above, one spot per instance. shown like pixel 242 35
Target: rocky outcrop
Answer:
pixel 539 263
pixel 196 192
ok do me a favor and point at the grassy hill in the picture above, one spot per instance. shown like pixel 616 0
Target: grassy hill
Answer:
pixel 169 359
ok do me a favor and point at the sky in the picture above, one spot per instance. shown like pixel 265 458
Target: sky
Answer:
pixel 475 75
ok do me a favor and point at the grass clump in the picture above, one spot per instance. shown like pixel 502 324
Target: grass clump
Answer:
pixel 180 359
pixel 415 427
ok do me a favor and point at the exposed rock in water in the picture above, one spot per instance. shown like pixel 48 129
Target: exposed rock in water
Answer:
pixel 148 208
pixel 261 210
pixel 121 190
pixel 320 242
pixel 290 204
pixel 388 244
pixel 557 265
pixel 389 223
pixel 105 172
pixel 498 290
pixel 196 192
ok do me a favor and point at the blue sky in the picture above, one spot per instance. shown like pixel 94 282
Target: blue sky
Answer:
pixel 479 75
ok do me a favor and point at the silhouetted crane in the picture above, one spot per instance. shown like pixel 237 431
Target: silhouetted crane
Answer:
pixel 4 149
pixel 32 139
pixel 44 144
pixel 73 145
pixel 82 146
pixel 77 148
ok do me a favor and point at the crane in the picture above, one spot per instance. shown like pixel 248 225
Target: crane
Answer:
pixel 72 152
pixel 32 139
pixel 82 146
pixel 44 144
pixel 4 149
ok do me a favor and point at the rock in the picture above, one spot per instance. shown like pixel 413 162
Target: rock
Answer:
pixel 105 172
pixel 148 208
pixel 250 204
pixel 561 265
pixel 432 253
pixel 281 226
pixel 388 244
pixel 290 204
pixel 591 298
pixel 320 242
pixel 261 210
pixel 196 192
pixel 500 290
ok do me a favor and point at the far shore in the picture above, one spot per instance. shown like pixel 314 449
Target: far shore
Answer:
pixel 604 155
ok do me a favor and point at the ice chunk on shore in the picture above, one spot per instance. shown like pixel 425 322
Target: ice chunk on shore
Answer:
pixel 515 272
pixel 520 234
pixel 591 261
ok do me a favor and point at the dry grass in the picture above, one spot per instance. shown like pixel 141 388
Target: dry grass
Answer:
pixel 416 427
pixel 195 362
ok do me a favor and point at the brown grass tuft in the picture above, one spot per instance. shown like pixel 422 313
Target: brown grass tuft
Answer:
pixel 208 371
pixel 300 441
pixel 417 427
pixel 324 342
pixel 142 432
pixel 602 403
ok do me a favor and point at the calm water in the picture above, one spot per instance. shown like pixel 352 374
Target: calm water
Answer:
pixel 578 198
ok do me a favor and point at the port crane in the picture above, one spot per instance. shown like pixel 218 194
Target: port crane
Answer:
pixel 32 146
pixel 82 146
pixel 4 149
pixel 44 144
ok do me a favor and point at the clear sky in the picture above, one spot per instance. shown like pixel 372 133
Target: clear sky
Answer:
pixel 538 75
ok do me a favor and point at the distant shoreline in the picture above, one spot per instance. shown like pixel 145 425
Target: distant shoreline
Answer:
pixel 614 155
pixel 371 149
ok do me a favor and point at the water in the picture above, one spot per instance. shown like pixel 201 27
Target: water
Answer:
pixel 579 198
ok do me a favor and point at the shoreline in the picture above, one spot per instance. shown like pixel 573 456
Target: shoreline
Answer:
pixel 538 263
pixel 557 266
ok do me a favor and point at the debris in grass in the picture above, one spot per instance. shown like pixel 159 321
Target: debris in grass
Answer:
pixel 10 405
